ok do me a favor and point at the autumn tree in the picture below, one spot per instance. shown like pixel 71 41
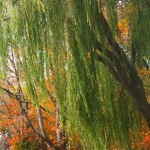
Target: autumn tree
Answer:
pixel 80 42
pixel 24 121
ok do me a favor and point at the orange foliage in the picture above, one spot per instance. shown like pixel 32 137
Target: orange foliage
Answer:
pixel 16 124
pixel 123 26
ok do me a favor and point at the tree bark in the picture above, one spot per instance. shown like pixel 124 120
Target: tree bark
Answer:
pixel 117 62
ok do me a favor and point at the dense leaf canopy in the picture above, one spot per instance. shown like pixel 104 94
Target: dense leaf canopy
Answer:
pixel 93 66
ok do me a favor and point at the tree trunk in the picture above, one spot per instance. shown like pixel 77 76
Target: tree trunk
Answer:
pixel 117 62
pixel 40 121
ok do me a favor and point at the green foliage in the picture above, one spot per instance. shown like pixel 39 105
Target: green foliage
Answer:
pixel 140 34
pixel 62 35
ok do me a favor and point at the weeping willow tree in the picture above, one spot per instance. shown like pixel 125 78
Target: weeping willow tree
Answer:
pixel 97 86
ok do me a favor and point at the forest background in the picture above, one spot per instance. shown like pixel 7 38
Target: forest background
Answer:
pixel 74 74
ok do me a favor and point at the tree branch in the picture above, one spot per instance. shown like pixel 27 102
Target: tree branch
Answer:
pixel 126 74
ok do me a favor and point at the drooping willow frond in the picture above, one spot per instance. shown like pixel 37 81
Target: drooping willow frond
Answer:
pixel 76 42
